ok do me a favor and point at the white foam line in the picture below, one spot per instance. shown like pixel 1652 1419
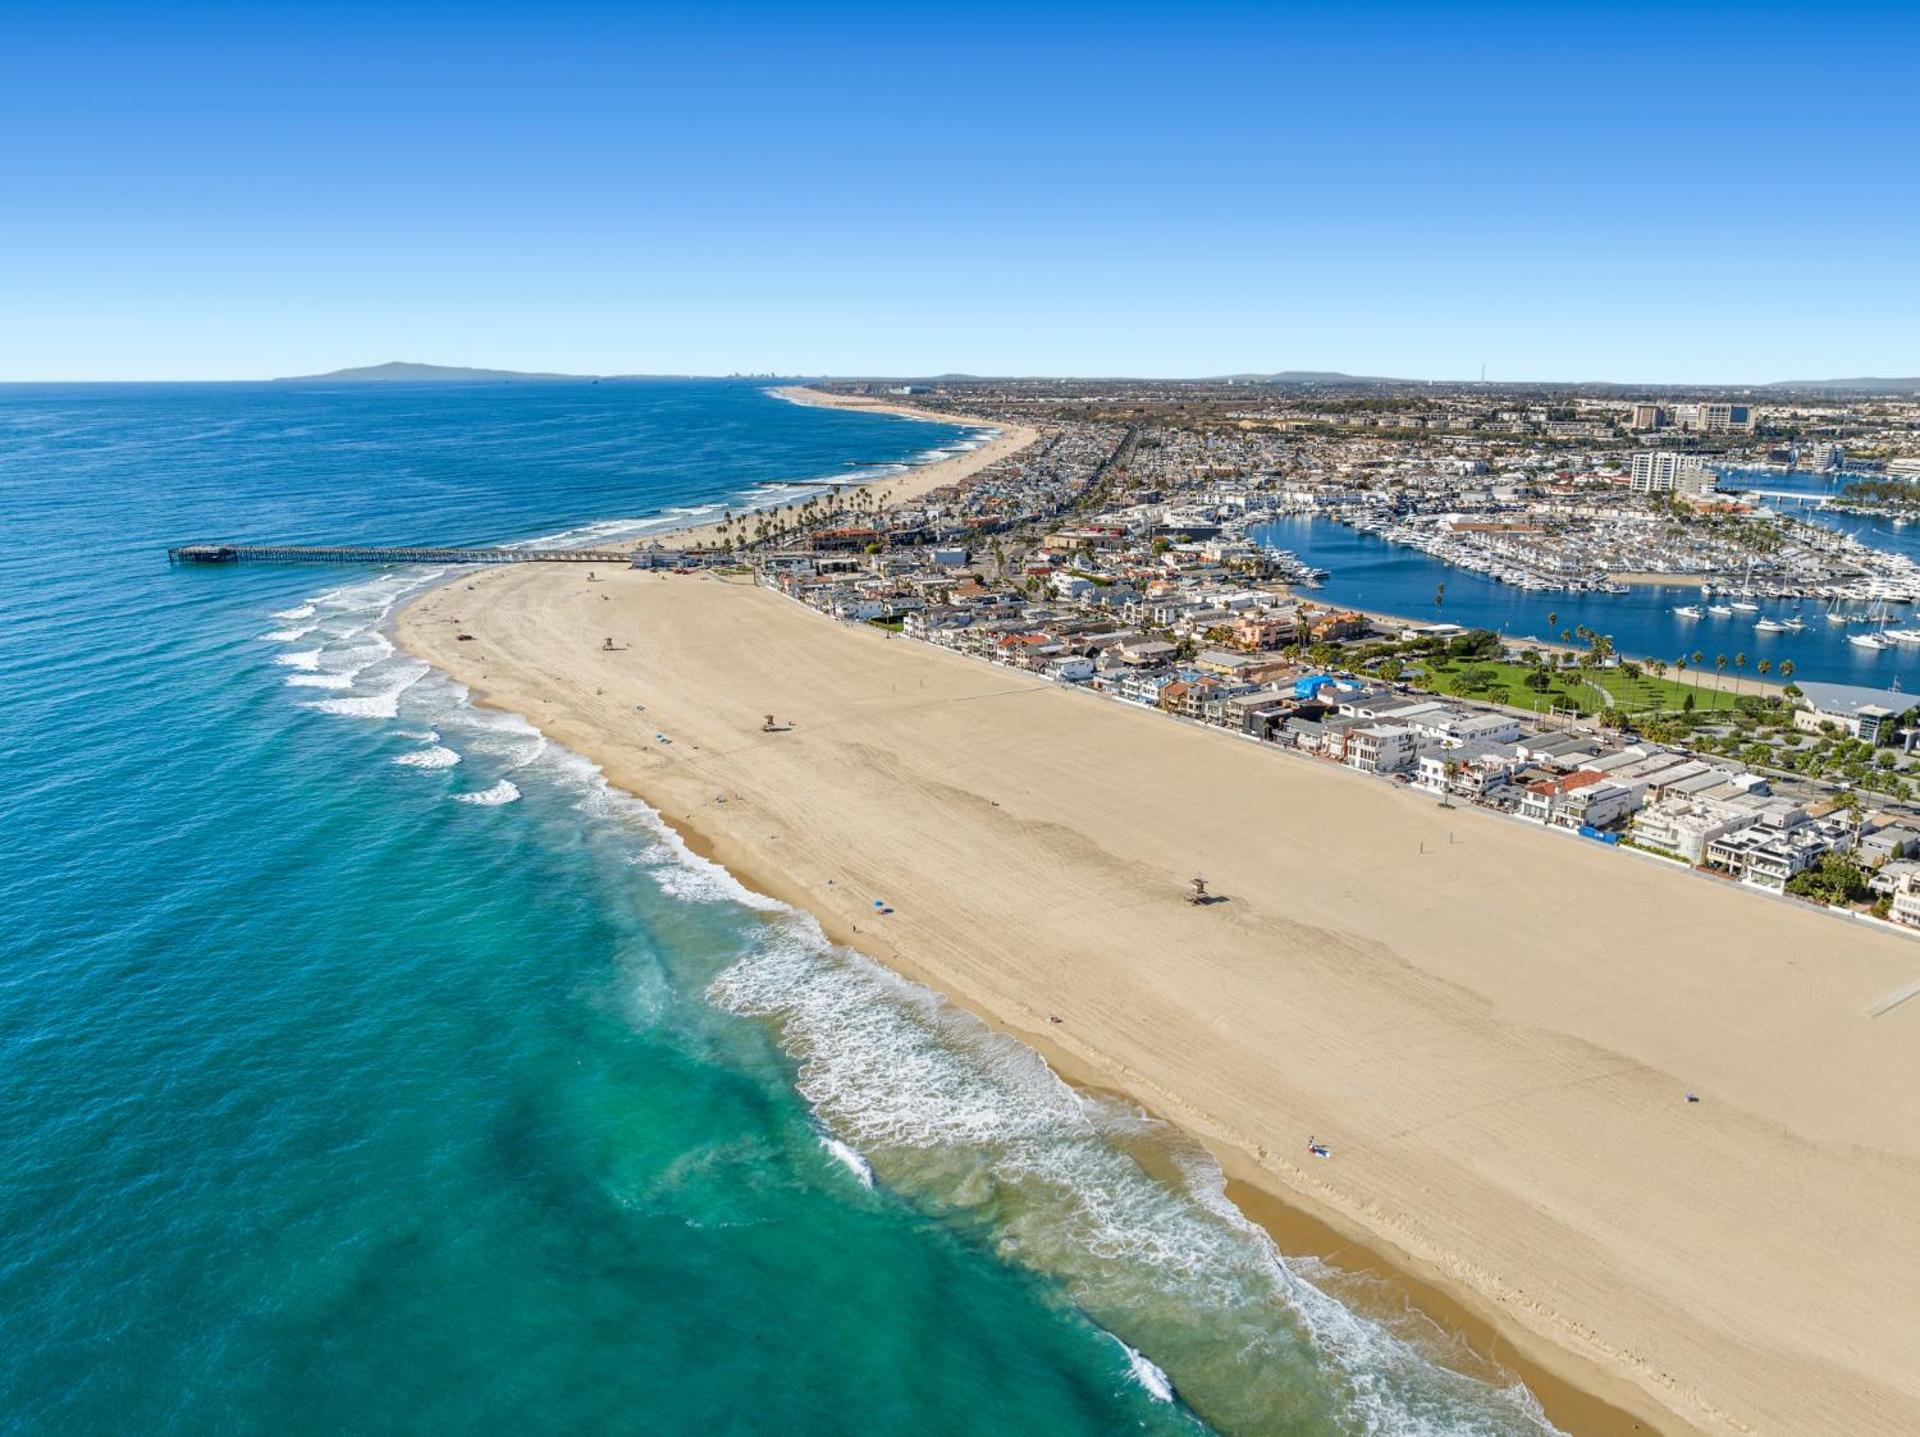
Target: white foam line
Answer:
pixel 848 1158
pixel 432 757
pixel 505 791
pixel 1145 1372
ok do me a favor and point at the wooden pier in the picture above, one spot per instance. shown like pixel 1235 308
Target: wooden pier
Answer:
pixel 353 554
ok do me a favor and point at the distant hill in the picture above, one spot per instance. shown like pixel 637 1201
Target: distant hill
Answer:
pixel 400 372
pixel 1872 386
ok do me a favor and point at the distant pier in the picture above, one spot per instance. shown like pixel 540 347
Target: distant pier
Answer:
pixel 355 554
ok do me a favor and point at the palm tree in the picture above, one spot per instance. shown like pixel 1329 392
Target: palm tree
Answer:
pixel 1720 663
pixel 1698 658
pixel 1786 670
pixel 1763 667
pixel 1553 621
pixel 1740 665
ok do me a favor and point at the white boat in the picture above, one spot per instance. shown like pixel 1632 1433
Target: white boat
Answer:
pixel 1687 611
pixel 1869 641
pixel 1770 626
pixel 1720 611
pixel 1901 636
pixel 1794 625
pixel 1835 618
pixel 1746 606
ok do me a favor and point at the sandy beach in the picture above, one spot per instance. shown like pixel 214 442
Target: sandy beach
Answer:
pixel 893 489
pixel 1493 1026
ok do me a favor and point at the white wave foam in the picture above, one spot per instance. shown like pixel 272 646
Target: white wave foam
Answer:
pixel 287 636
pixel 299 611
pixel 1143 1370
pixel 382 705
pixel 504 791
pixel 434 757
pixel 972 1119
pixel 319 681
pixel 848 1158
pixel 300 659
pixel 422 735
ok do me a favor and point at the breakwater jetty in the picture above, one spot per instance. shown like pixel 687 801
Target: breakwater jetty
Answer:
pixel 358 554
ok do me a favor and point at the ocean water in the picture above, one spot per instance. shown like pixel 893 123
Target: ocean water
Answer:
pixel 367 1065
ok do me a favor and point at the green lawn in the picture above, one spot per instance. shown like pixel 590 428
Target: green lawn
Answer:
pixel 1567 689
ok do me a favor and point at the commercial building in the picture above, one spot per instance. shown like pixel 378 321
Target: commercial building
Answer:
pixel 1868 714
pixel 1717 418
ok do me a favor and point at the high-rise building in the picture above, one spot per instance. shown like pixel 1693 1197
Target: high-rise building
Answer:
pixel 1665 472
pixel 1648 416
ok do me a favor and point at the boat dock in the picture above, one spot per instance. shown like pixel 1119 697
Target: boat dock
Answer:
pixel 354 554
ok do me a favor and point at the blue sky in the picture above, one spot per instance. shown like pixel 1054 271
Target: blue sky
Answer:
pixel 1687 193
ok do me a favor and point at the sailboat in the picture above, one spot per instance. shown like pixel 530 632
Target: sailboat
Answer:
pixel 1745 603
pixel 1878 642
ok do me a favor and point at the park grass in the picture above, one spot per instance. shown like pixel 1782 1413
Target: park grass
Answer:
pixel 1570 689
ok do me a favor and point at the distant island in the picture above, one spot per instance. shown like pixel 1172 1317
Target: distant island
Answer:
pixel 400 372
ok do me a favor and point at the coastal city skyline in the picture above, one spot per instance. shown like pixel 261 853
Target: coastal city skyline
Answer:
pixel 1691 195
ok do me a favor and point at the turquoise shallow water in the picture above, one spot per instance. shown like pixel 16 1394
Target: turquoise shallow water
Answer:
pixel 367 1065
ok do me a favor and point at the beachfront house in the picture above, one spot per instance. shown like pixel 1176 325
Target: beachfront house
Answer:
pixel 1146 653
pixel 1683 826
pixel 1384 748
pixel 1478 770
pixel 1581 799
pixel 1783 840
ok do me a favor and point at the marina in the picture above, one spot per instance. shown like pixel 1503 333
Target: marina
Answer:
pixel 1366 571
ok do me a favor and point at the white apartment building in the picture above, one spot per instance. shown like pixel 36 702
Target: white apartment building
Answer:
pixel 1665 472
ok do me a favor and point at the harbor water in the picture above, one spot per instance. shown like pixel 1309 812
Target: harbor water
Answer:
pixel 1365 571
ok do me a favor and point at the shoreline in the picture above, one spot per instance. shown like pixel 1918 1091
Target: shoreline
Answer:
pixel 1575 1394
pixel 913 481
pixel 678 784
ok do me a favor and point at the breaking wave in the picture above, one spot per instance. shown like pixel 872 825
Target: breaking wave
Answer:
pixel 505 791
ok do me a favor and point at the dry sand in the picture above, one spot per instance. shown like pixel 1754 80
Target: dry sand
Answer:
pixel 1493 1026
